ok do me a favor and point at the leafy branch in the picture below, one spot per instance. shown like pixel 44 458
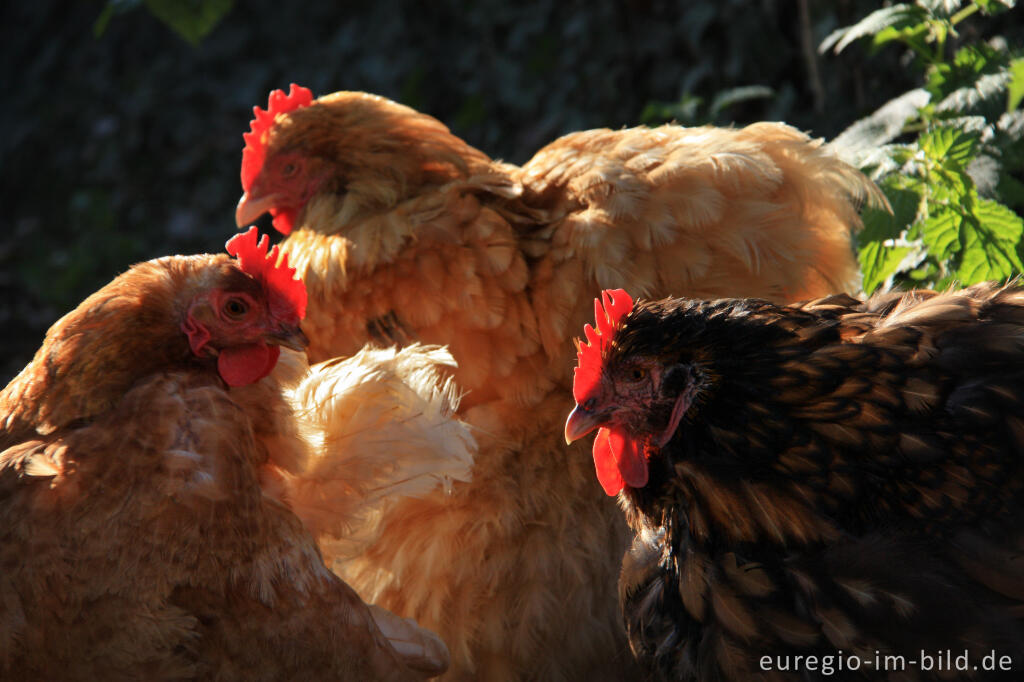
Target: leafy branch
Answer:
pixel 947 155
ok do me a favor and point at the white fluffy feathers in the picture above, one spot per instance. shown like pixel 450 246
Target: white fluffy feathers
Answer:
pixel 381 427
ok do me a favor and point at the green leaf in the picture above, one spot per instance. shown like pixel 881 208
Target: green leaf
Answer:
pixel 191 19
pixel 905 195
pixel 1016 87
pixel 950 184
pixel 732 96
pixel 949 145
pixel 970 64
pixel 879 262
pixel 990 240
pixel 981 263
pixel 941 234
pixel 896 16
pixel 879 226
pixel 915 37
pixel 1000 221
pixel 879 257
pixel 863 138
pixel 987 87
pixel 995 6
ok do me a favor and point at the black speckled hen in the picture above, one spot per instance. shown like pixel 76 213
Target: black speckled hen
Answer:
pixel 834 478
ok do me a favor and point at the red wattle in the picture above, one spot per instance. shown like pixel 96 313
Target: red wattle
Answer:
pixel 619 461
pixel 243 365
pixel 284 219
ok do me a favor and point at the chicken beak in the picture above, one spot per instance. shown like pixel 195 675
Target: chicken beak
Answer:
pixel 580 423
pixel 288 336
pixel 250 208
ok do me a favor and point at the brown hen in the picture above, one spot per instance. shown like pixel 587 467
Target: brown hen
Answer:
pixel 835 480
pixel 403 232
pixel 140 536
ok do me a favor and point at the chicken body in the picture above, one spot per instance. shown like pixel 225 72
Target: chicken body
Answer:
pixel 843 479
pixel 404 233
pixel 136 538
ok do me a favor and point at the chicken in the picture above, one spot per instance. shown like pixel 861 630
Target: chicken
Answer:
pixel 838 480
pixel 404 233
pixel 141 536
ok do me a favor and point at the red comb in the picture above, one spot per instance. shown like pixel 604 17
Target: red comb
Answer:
pixel 255 151
pixel 288 295
pixel 617 304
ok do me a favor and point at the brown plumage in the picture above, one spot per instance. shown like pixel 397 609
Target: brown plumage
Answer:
pixel 140 533
pixel 403 232
pixel 845 476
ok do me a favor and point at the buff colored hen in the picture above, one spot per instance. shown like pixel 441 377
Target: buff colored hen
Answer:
pixel 404 233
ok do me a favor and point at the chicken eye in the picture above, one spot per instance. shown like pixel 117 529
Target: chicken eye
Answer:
pixel 638 374
pixel 236 307
pixel 289 169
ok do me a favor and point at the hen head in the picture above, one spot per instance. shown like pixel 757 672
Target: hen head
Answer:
pixel 245 310
pixel 275 179
pixel 367 149
pixel 208 312
pixel 633 386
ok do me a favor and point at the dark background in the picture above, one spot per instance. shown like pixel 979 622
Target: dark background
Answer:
pixel 126 146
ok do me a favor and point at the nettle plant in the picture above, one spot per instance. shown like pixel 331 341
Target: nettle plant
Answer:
pixel 946 154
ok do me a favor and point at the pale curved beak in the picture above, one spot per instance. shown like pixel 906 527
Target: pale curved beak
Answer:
pixel 249 208
pixel 580 423
pixel 289 336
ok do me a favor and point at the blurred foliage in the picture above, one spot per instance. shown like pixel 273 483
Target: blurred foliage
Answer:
pixel 125 146
pixel 191 19
pixel 690 110
pixel 949 155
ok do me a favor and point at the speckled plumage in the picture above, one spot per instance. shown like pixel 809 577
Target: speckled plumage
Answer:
pixel 848 477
